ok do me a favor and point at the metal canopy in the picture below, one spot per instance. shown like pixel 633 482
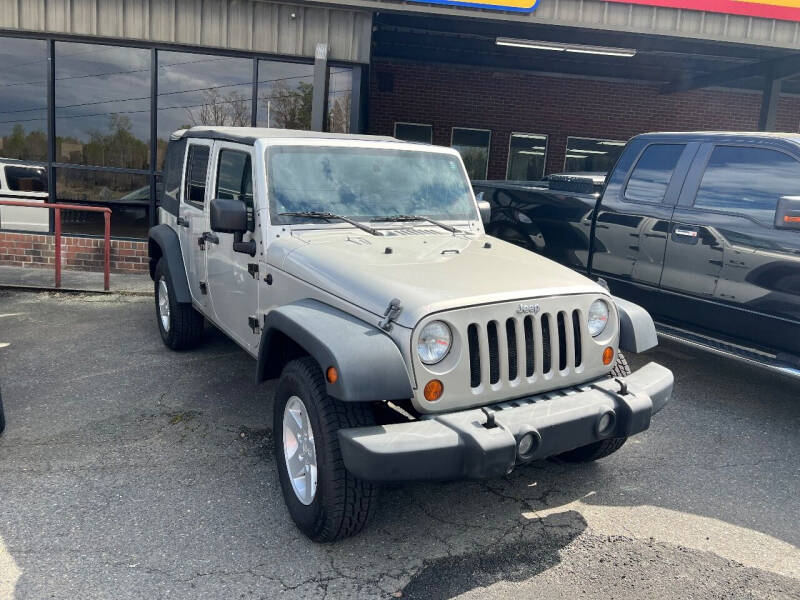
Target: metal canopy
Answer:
pixel 676 64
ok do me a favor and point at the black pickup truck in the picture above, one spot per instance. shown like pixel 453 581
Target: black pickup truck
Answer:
pixel 702 229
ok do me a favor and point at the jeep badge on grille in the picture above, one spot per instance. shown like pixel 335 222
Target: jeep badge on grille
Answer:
pixel 528 309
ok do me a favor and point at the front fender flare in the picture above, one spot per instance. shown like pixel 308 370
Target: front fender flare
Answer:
pixel 637 332
pixel 166 240
pixel 369 363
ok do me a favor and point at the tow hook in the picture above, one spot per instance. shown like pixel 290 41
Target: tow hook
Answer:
pixel 392 312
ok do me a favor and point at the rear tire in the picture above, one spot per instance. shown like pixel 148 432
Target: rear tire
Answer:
pixel 338 505
pixel 603 448
pixel 180 325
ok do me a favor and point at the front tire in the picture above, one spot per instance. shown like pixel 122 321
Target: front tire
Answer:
pixel 325 501
pixel 603 448
pixel 180 325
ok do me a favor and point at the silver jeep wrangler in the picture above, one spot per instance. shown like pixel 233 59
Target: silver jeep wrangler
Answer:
pixel 407 344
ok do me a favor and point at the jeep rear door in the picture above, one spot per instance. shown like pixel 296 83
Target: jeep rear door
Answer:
pixel 728 268
pixel 192 216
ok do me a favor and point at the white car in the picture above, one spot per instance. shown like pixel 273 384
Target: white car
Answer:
pixel 26 182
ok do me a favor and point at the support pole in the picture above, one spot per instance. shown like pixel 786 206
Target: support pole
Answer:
pixel 58 246
pixel 769 104
pixel 319 103
pixel 106 249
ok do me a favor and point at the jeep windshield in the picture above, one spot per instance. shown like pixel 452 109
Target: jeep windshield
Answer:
pixel 367 184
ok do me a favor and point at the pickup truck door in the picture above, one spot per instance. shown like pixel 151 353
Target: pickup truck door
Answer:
pixel 192 219
pixel 633 217
pixel 233 276
pixel 732 270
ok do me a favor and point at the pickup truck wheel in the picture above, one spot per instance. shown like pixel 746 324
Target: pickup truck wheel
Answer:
pixel 603 448
pixel 180 325
pixel 325 501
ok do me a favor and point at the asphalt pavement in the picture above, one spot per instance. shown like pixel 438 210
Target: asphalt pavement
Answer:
pixel 130 471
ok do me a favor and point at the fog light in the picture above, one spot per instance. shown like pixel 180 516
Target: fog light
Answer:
pixel 608 355
pixel 525 444
pixel 606 423
pixel 433 390
pixel 528 444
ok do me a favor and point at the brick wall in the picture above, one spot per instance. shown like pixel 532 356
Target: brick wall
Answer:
pixel 453 96
pixel 79 254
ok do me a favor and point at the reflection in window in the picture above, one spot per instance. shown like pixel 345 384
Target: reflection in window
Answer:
pixel 235 180
pixel 284 94
pixel 414 132
pixel 128 197
pixel 526 157
pixel 585 154
pixel 748 180
pixel 26 178
pixel 340 92
pixel 653 172
pixel 200 89
pixel 23 99
pixel 102 105
pixel 473 145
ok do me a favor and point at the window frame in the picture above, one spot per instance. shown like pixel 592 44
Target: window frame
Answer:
pixel 741 214
pixel 629 176
pixel 488 146
pixel 546 137
pixel 621 143
pixel 396 123
pixel 187 182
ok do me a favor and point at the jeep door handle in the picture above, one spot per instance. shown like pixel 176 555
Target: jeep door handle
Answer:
pixel 181 222
pixel 210 237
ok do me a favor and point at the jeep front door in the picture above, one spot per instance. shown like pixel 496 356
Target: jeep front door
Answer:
pixel 192 218
pixel 233 276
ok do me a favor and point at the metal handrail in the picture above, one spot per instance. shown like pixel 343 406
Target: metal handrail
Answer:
pixel 58 207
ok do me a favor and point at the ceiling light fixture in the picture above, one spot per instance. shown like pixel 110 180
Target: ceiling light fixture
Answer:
pixel 561 47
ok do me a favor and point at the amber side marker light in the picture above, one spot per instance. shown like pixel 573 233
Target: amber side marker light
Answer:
pixel 332 375
pixel 608 355
pixel 433 390
pixel 789 219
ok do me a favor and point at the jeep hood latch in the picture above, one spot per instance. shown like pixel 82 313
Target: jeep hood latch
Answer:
pixel 392 312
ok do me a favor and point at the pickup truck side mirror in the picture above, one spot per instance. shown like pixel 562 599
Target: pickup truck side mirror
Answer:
pixel 787 214
pixel 228 215
pixel 485 209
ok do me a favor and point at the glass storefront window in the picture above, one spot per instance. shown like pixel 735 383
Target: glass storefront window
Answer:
pixel 285 91
pixel 473 145
pixel 102 105
pixel 340 93
pixel 23 99
pixel 590 155
pixel 201 89
pixel 414 132
pixel 527 153
pixel 127 195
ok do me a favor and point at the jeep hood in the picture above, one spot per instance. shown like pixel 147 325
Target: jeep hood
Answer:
pixel 427 271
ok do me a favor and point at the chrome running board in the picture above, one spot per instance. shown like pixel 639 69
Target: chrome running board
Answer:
pixel 758 358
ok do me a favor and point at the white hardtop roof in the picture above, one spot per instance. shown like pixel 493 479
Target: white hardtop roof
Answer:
pixel 248 135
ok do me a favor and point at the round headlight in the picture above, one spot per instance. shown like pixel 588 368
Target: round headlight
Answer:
pixel 598 317
pixel 434 342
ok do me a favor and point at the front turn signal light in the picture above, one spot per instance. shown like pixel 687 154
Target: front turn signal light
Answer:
pixel 608 355
pixel 433 390
pixel 332 375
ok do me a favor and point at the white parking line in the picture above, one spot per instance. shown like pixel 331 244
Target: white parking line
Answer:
pixel 9 572
pixel 4 345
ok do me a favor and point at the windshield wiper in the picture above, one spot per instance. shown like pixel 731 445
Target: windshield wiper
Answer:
pixel 398 218
pixel 313 214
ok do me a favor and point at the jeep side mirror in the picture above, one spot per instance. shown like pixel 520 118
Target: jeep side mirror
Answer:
pixel 787 214
pixel 228 215
pixel 485 209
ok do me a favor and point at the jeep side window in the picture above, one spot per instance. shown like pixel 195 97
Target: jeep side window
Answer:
pixel 748 181
pixel 235 180
pixel 173 162
pixel 196 167
pixel 650 179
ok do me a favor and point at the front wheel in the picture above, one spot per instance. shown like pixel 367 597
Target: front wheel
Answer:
pixel 603 448
pixel 325 501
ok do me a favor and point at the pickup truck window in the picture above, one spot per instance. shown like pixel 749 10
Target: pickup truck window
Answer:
pixel 650 179
pixel 365 183
pixel 196 168
pixel 747 180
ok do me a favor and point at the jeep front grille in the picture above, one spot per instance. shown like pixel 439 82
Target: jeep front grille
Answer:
pixel 533 346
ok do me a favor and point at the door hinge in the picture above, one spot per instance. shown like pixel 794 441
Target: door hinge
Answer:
pixel 252 268
pixel 203 287
pixel 254 324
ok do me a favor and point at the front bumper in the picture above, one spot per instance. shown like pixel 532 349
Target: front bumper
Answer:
pixel 464 445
